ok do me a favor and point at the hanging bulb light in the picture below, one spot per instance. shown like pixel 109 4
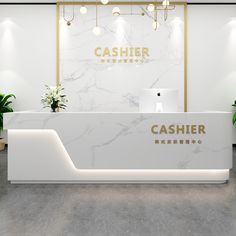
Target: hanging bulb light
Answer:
pixel 166 6
pixel 116 11
pixel 151 7
pixel 155 25
pixel 68 21
pixel 83 10
pixel 166 3
pixel 97 30
pixel 104 2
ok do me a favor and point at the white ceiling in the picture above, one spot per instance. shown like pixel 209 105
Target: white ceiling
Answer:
pixel 200 1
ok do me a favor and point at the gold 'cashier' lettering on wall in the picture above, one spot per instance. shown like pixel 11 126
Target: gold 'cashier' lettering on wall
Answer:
pixel 178 129
pixel 121 52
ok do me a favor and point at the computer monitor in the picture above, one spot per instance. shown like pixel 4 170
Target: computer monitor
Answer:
pixel 158 100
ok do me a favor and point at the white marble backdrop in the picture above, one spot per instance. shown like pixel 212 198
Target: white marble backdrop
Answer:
pixel 93 85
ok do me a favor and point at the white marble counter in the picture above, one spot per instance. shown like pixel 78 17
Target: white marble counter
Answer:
pixel 42 146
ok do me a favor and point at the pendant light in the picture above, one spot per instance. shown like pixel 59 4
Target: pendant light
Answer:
pixel 83 10
pixel 165 3
pixel 104 2
pixel 155 23
pixel 97 29
pixel 166 6
pixel 68 21
pixel 116 11
pixel 151 7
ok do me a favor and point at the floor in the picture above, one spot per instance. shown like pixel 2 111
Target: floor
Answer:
pixel 116 210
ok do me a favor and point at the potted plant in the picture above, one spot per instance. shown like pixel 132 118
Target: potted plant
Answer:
pixel 234 115
pixel 5 106
pixel 54 98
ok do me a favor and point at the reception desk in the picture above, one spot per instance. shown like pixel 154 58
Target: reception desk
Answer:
pixel 119 147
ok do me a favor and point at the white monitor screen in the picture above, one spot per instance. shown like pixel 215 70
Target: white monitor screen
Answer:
pixel 158 100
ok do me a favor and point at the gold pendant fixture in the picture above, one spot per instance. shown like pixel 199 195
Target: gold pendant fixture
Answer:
pixel 83 10
pixel 166 6
pixel 68 20
pixel 152 8
pixel 116 11
pixel 155 23
pixel 97 29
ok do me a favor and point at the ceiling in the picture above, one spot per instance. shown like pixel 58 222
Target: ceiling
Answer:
pixel 195 1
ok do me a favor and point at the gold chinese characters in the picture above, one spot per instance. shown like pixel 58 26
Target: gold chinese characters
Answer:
pixel 177 141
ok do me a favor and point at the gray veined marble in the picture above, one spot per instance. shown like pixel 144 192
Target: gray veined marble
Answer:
pixel 117 210
pixel 93 85
pixel 121 140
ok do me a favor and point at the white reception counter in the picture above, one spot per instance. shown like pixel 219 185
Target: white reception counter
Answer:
pixel 119 147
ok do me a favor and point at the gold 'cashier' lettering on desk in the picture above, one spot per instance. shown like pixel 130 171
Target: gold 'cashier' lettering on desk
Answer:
pixel 178 130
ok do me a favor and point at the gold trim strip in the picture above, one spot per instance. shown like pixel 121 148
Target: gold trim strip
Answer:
pixel 185 57
pixel 57 44
pixel 114 3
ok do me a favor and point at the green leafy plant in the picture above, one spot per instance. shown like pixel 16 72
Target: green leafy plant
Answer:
pixel 5 106
pixel 234 115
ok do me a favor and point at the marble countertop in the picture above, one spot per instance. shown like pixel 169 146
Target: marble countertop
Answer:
pixel 106 112
pixel 127 141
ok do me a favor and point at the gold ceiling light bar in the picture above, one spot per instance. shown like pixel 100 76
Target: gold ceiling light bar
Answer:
pixel 115 3
pixel 131 14
pixel 164 5
pixel 116 11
